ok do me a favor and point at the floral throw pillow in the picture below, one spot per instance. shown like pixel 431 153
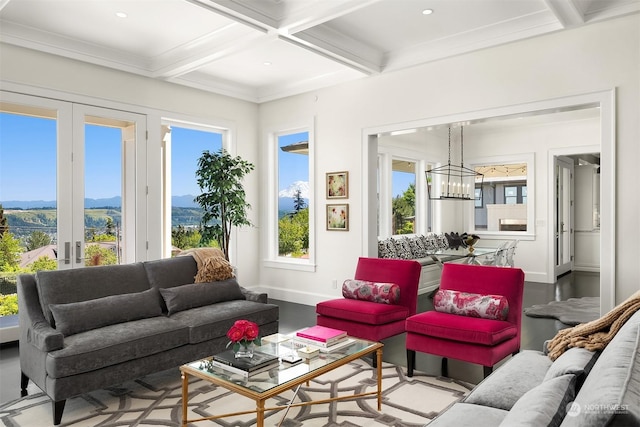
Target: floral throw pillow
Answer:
pixel 472 305
pixel 385 293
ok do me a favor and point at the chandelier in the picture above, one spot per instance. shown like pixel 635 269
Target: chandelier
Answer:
pixel 454 182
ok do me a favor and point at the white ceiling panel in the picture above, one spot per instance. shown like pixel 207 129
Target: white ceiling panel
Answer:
pixel 221 45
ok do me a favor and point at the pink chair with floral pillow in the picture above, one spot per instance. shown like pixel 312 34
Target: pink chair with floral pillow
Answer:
pixel 376 303
pixel 476 318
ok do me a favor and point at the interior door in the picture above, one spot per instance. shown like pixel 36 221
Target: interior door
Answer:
pixel 563 219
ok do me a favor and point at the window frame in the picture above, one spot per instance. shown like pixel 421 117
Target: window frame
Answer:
pixel 529 159
pixel 273 258
pixel 386 155
pixel 201 125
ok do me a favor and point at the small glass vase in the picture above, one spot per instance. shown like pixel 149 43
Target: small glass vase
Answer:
pixel 244 351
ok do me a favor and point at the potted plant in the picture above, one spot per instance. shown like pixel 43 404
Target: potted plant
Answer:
pixel 220 177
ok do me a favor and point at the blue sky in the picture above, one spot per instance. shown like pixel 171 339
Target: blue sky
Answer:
pixel 28 160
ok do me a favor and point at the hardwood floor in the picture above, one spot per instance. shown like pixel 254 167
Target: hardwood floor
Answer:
pixel 295 316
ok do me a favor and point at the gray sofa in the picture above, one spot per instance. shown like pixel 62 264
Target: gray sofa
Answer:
pixel 579 389
pixel 89 328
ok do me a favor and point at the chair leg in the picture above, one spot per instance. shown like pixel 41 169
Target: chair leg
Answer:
pixel 24 382
pixel 487 370
pixel 411 362
pixel 58 408
pixel 444 371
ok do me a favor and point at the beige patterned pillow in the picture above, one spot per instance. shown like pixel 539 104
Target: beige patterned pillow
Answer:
pixel 214 269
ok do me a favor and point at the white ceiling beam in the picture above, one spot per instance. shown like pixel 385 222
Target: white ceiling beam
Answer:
pixel 321 12
pixel 237 13
pixel 567 12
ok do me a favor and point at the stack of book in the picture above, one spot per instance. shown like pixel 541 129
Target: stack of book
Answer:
pixel 245 367
pixel 322 337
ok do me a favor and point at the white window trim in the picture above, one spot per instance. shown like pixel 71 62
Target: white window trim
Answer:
pixel 202 125
pixel 273 260
pixel 386 155
pixel 529 159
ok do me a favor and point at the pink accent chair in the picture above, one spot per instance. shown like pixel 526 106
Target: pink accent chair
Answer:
pixel 471 339
pixel 369 320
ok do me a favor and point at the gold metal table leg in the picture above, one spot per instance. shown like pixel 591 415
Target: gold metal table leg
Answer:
pixel 260 413
pixel 185 397
pixel 379 360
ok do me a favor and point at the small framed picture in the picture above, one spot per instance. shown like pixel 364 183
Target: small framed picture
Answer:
pixel 338 217
pixel 337 185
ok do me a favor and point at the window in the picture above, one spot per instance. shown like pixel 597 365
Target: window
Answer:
pixel 503 205
pixel 291 237
pixel 403 202
pixel 403 206
pixel 183 147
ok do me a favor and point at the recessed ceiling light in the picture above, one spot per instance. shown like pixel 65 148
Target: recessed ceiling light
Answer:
pixel 266 63
pixel 121 14
pixel 427 11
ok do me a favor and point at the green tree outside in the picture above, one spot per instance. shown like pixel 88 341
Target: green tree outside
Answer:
pixel 403 209
pixel 97 255
pixel 293 236
pixel 185 238
pixel 43 263
pixel 10 250
pixel 37 239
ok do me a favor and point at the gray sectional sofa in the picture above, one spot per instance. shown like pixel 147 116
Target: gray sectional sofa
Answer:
pixel 89 328
pixel 579 389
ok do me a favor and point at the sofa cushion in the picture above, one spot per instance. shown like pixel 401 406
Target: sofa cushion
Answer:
pixel 114 344
pixel 469 415
pixel 83 284
pixel 213 321
pixel 461 328
pixel 76 317
pixel 470 304
pixel 577 361
pixel 165 273
pixel 611 392
pixel 499 389
pixel 367 312
pixel 544 405
pixel 384 293
pixel 179 298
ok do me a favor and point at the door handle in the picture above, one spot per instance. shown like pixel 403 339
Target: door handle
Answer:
pixel 78 252
pixel 67 248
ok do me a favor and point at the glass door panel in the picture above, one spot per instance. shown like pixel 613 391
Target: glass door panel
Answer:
pixel 563 215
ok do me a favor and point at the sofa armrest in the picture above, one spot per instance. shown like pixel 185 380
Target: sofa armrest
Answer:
pixel 44 337
pixel 39 332
pixel 254 296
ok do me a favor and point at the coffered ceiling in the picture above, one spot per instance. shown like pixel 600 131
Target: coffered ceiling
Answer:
pixel 261 50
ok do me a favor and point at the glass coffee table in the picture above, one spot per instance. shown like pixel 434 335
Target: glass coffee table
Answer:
pixel 283 377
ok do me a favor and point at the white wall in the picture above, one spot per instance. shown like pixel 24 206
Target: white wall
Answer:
pixel 596 57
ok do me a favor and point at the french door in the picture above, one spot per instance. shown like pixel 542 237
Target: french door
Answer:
pixel 87 170
pixel 563 215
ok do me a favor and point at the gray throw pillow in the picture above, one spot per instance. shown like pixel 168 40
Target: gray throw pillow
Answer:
pixel 577 361
pixel 73 318
pixel 544 405
pixel 180 298
pixel 499 390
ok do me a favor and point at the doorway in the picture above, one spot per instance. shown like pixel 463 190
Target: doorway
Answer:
pixel 564 212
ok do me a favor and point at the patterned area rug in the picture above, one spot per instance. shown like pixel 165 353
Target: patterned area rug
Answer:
pixel 155 400
pixel 573 311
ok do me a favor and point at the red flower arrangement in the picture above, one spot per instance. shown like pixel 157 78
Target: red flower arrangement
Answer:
pixel 243 333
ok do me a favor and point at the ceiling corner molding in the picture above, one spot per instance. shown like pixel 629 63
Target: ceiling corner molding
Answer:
pixel 567 12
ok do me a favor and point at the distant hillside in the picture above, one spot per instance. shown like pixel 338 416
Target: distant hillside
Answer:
pixel 185 201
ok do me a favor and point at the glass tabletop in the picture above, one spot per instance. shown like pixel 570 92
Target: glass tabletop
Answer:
pixel 282 346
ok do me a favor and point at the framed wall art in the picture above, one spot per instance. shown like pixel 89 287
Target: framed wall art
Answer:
pixel 338 217
pixel 337 185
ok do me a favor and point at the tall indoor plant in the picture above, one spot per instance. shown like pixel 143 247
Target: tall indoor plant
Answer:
pixel 222 200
